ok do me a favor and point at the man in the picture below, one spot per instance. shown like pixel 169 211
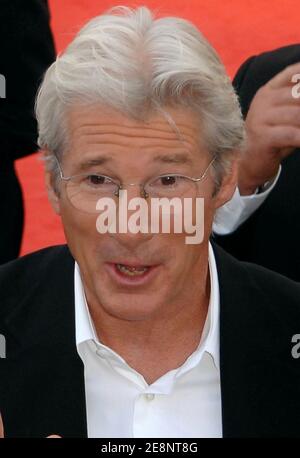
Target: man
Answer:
pixel 129 333
pixel 268 88
pixel 26 51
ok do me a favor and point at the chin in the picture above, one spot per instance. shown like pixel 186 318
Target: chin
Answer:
pixel 132 307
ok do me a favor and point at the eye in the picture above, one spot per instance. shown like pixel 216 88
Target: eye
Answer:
pixel 169 180
pixel 97 183
pixel 97 179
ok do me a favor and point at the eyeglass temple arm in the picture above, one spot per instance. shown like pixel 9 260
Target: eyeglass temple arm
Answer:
pixel 205 171
pixel 60 170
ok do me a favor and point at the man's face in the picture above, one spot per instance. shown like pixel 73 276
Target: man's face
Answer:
pixel 108 143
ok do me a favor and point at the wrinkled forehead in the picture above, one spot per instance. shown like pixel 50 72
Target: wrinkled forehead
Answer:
pixel 168 128
pixel 102 123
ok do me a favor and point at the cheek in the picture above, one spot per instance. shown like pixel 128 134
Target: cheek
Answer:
pixel 209 211
pixel 181 268
pixel 182 255
pixel 198 220
pixel 80 228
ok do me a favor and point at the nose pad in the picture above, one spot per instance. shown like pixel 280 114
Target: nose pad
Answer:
pixel 133 217
pixel 139 193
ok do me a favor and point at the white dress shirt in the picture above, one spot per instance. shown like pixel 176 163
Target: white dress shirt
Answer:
pixel 235 212
pixel 184 402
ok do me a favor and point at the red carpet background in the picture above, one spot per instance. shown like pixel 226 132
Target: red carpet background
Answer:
pixel 236 28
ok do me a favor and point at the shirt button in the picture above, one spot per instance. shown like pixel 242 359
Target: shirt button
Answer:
pixel 149 396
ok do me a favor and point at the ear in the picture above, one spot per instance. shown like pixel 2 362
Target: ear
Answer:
pixel 228 186
pixel 52 193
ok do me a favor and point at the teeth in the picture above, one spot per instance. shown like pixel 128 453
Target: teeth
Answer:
pixel 131 271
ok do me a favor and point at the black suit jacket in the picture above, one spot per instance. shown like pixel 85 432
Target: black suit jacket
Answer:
pixel 42 378
pixel 270 236
pixel 26 50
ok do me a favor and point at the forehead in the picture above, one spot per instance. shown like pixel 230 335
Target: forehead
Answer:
pixel 95 130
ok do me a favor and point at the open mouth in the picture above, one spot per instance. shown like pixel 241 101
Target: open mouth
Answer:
pixel 131 275
pixel 132 271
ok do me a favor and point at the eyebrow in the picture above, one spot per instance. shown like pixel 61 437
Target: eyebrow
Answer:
pixel 93 162
pixel 176 158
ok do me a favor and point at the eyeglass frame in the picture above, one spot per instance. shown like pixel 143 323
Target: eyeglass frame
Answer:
pixel 144 194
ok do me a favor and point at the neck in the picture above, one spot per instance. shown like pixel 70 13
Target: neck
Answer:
pixel 159 344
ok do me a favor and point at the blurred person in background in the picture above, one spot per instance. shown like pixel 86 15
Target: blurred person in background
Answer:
pixel 26 50
pixel 265 209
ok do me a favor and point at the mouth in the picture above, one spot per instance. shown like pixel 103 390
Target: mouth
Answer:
pixel 129 274
pixel 132 271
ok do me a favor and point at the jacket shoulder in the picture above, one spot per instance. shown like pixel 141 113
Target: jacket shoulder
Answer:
pixel 274 292
pixel 40 258
pixel 20 276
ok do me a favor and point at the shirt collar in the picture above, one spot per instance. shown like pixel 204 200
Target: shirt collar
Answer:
pixel 210 340
pixel 83 322
pixel 213 337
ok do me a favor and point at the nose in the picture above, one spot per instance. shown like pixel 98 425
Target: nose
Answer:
pixel 133 218
pixel 133 190
pixel 131 241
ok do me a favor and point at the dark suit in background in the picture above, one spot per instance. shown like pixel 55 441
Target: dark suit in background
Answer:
pixel 270 237
pixel 26 50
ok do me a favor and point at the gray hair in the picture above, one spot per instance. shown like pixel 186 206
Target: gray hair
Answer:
pixel 130 61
